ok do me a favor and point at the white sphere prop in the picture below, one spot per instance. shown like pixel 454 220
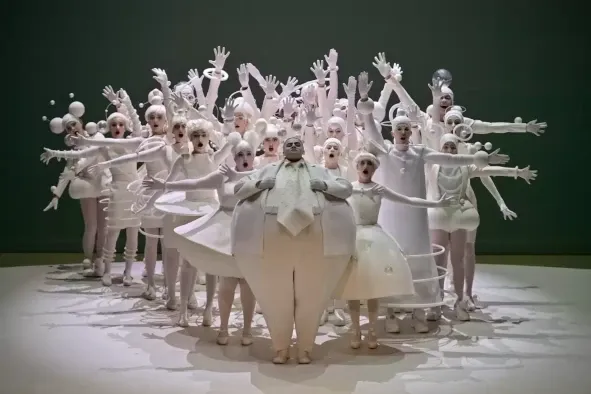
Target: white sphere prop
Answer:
pixel 76 108
pixel 56 126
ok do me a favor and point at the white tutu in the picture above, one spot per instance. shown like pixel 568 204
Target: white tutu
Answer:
pixel 150 217
pixel 205 244
pixel 377 270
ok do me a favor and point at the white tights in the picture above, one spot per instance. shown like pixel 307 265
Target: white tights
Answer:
pixel 94 215
pixel 456 242
pixel 226 298
pixel 130 252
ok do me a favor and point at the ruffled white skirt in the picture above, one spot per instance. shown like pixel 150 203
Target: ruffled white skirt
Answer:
pixel 378 268
pixel 452 219
pixel 205 244
pixel 89 187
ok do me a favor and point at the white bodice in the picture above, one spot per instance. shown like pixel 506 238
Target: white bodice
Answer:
pixel 449 181
pixel 126 172
pixel 197 166
pixel 365 208
pixel 339 172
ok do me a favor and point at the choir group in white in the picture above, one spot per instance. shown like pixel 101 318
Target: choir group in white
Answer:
pixel 300 201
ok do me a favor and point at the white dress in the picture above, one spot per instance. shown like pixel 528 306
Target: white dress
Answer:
pixel 119 215
pixel 85 185
pixel 378 268
pixel 205 242
pixel 454 183
pixel 404 173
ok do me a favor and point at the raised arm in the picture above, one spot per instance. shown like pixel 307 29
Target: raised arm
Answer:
pixel 479 159
pixel 331 61
pixel 197 82
pixel 243 77
pixel 351 132
pixel 129 143
pixel 161 77
pixel 393 75
pixel 212 181
pixel 525 173
pixel 365 107
pixel 69 154
pixel 309 138
pixel 136 124
pixel 318 71
pixel 220 55
pixel 155 150
pixel 480 127
pixel 270 104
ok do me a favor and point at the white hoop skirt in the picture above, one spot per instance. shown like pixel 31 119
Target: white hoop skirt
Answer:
pixel 205 244
pixel 378 268
pixel 150 217
pixel 119 215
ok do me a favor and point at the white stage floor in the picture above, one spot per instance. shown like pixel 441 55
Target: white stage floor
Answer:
pixel 72 336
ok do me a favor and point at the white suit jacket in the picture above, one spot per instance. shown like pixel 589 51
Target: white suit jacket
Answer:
pixel 338 222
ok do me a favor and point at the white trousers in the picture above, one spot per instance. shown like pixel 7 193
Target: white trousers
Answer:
pixel 293 281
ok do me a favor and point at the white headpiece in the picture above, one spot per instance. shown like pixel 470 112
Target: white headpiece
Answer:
pixel 400 118
pixel 266 129
pixel 454 111
pixel 366 156
pixel 445 138
pixel 447 90
pixel 155 100
pixel 75 111
pixel 241 146
pixel 332 141
pixel 337 120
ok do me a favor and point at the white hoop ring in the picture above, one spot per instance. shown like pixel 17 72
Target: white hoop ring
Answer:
pixel 463 127
pixel 210 74
pixel 425 305
pixel 392 111
pixel 142 231
pixel 440 250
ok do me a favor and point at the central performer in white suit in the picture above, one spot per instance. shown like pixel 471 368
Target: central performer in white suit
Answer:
pixel 293 235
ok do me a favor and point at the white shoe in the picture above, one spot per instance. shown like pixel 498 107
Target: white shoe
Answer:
pixel 145 273
pixel 127 279
pixel 323 318
pixel 419 325
pixel 106 279
pixel 340 319
pixel 165 293
pixel 372 339
pixel 258 309
pixel 356 340
pixel 207 317
pixel 281 357
pixel 171 304
pixel 304 357
pixel 201 279
pixel 434 314
pixel 461 309
pixel 246 339
pixel 391 325
pixel 149 294
pixel 86 263
pixel 183 320
pixel 222 338
pixel 192 305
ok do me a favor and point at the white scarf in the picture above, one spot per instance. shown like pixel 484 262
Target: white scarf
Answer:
pixel 292 196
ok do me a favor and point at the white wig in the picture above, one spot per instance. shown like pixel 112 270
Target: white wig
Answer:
pixel 195 125
pixel 156 107
pixel 454 112
pixel 118 115
pixel 243 107
pixel 338 121
pixel 242 146
pixel 332 141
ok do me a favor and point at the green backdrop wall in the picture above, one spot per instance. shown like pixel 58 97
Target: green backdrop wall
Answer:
pixel 509 58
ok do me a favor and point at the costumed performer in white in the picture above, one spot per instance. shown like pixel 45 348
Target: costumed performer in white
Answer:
pixel 205 242
pixel 183 207
pixel 402 170
pixel 119 215
pixel 449 226
pixel 378 268
pixel 293 235
pixel 83 186
pixel 453 122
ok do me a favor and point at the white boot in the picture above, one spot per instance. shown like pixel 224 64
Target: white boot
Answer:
pixel 461 309
pixel 340 319
pixel 86 263
pixel 391 324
